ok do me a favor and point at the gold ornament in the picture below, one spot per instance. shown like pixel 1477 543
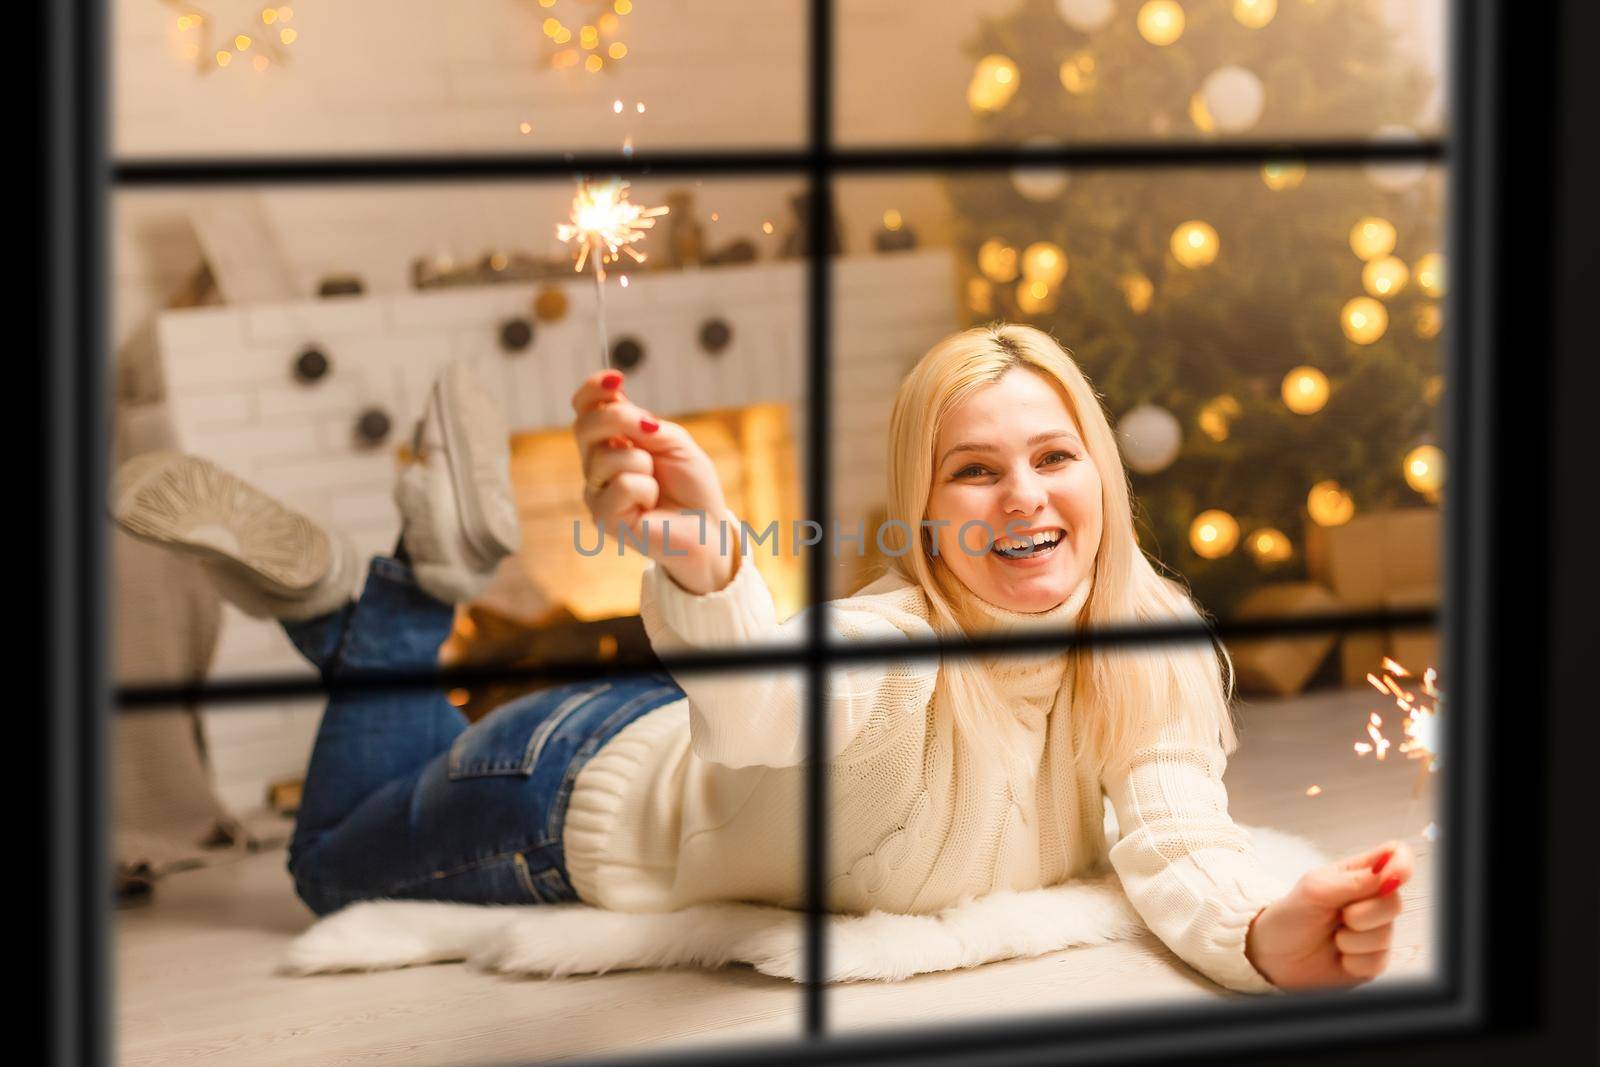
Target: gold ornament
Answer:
pixel 980 296
pixel 997 260
pixel 1429 320
pixel 1034 297
pixel 1329 504
pixel 1385 276
pixel 1372 237
pixel 1213 534
pixel 994 83
pixel 1305 390
pixel 1364 320
pixel 1281 176
pixel 1254 13
pixel 1268 545
pixel 1161 22
pixel 1195 243
pixel 1424 469
pixel 1077 73
pixel 1430 274
pixel 1138 291
pixel 1216 417
pixel 550 305
pixel 1044 262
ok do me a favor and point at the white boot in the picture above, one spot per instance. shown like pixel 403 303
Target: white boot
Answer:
pixel 458 516
pixel 264 557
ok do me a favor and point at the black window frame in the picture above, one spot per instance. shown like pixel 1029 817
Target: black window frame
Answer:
pixel 1471 621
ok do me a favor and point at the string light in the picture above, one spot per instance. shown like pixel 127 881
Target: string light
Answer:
pixel 1216 417
pixel 1034 297
pixel 893 220
pixel 1305 390
pixel 1385 276
pixel 1044 262
pixel 1254 13
pixel 1281 176
pixel 1428 321
pixel 1364 320
pixel 1269 545
pixel 1213 534
pixel 1138 290
pixel 1077 73
pixel 997 260
pixel 1372 237
pixel 1430 274
pixel 1195 243
pixel 1161 22
pixel 1424 469
pixel 994 83
pixel 1329 505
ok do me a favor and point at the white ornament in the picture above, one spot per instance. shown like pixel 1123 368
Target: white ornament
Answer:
pixel 1396 177
pixel 1040 184
pixel 1086 15
pixel 1234 96
pixel 1151 437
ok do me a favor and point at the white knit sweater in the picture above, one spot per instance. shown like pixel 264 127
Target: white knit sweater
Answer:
pixel 703 799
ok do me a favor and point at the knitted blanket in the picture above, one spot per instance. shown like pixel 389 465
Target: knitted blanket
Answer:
pixel 564 939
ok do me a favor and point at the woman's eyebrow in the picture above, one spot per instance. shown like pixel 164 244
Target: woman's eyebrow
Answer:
pixel 979 446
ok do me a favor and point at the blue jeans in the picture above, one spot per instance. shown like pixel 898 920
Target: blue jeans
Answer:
pixel 404 800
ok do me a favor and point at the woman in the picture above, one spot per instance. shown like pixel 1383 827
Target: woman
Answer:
pixel 949 778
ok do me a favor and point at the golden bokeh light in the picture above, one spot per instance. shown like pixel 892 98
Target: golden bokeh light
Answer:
pixel 1329 505
pixel 1385 276
pixel 1077 73
pixel 1161 22
pixel 1200 115
pixel 1364 320
pixel 1044 262
pixel 1281 176
pixel 1424 469
pixel 1269 545
pixel 1216 416
pixel 997 260
pixel 1195 243
pixel 1427 321
pixel 1372 237
pixel 893 220
pixel 994 83
pixel 1305 390
pixel 980 296
pixel 1034 297
pixel 1213 534
pixel 1138 290
pixel 1254 13
pixel 1430 274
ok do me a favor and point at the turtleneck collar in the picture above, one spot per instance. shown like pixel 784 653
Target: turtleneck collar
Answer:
pixel 1063 616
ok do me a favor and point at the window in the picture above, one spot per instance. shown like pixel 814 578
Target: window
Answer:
pixel 1295 482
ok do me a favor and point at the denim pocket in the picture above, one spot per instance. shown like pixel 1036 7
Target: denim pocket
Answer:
pixel 508 740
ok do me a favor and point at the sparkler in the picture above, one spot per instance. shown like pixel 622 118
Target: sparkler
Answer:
pixel 604 225
pixel 1420 725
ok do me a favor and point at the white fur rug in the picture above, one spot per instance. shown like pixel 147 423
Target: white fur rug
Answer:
pixel 563 939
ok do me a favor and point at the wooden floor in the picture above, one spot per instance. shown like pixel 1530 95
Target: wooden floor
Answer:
pixel 195 969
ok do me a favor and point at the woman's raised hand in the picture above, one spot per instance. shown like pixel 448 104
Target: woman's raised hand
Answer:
pixel 648 476
pixel 1336 925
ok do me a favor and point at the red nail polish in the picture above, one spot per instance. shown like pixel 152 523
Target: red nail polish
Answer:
pixel 1389 886
pixel 610 380
pixel 649 425
pixel 1376 867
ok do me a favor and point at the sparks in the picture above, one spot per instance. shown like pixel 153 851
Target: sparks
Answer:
pixel 605 223
pixel 1421 722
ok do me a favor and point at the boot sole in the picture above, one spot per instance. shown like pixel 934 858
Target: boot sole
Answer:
pixel 192 505
pixel 478 447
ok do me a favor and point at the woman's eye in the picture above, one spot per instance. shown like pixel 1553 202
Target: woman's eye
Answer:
pixel 971 471
pixel 1058 456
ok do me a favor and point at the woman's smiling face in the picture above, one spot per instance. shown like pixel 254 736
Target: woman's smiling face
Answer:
pixel 1012 458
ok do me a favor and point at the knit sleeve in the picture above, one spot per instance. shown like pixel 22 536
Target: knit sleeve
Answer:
pixel 757 717
pixel 1187 869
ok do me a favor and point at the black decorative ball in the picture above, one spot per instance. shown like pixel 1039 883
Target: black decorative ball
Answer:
pixel 373 426
pixel 627 354
pixel 310 366
pixel 515 335
pixel 715 335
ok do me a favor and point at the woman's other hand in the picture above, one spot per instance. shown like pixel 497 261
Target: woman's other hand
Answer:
pixel 647 475
pixel 1335 927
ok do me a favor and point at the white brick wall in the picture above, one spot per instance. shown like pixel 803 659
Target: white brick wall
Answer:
pixel 233 398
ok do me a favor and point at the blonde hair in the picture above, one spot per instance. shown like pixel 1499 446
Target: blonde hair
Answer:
pixel 1118 692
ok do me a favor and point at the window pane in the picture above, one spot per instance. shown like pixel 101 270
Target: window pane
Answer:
pixel 1123 879
pixel 227 353
pixel 537 76
pixel 1267 355
pixel 1076 71
pixel 587 790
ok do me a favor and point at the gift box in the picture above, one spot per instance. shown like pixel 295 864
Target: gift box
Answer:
pixel 1282 665
pixel 1383 561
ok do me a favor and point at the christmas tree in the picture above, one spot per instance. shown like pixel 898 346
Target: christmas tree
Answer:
pixel 1266 338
